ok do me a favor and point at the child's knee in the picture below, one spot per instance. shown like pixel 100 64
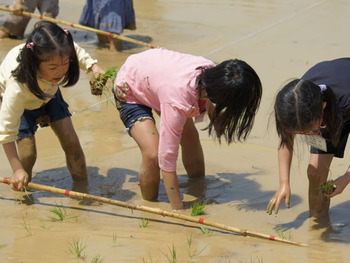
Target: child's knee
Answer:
pixel 27 148
pixel 151 157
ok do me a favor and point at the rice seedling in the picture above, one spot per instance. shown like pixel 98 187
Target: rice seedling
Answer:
pixel 27 227
pixel 77 247
pixel 115 239
pixel 328 188
pixel 195 253
pixel 98 84
pixel 171 257
pixel 198 208
pixel 3 246
pixel 283 234
pixel 96 259
pixel 151 260
pixel 43 224
pixel 144 222
pixel 205 230
pixel 60 213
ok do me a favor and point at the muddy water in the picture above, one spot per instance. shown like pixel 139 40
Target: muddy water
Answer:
pixel 280 39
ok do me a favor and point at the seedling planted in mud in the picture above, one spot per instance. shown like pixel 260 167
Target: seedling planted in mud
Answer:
pixel 3 246
pixel 283 234
pixel 144 222
pixel 195 253
pixel 27 193
pixel 115 237
pixel 97 259
pixel 61 214
pixel 171 257
pixel 27 227
pixel 198 208
pixel 205 230
pixel 151 260
pixel 77 247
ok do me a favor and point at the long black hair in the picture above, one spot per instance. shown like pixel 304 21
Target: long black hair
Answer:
pixel 45 41
pixel 299 104
pixel 235 89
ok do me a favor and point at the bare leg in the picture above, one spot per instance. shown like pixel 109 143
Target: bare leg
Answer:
pixel 317 172
pixel 146 136
pixel 70 144
pixel 192 153
pixel 115 44
pixel 27 154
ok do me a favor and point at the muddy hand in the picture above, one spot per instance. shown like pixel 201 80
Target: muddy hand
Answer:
pixel 271 205
pixel 19 180
pixel 121 91
pixel 97 83
pixel 340 184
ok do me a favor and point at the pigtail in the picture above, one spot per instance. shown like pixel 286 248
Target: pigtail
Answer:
pixel 26 71
pixel 332 115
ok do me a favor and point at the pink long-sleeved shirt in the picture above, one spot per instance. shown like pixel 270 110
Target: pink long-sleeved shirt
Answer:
pixel 165 81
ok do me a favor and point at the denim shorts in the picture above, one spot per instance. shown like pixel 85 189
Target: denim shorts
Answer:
pixel 56 109
pixel 338 150
pixel 131 113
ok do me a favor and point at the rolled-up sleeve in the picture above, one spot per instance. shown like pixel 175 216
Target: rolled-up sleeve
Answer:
pixel 85 60
pixel 11 111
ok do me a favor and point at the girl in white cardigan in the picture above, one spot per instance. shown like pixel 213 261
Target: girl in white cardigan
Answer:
pixel 30 77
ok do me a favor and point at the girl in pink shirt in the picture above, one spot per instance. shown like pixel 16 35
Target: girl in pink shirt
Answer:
pixel 179 87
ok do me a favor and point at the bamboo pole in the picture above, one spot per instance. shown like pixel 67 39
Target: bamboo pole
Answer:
pixel 151 210
pixel 97 31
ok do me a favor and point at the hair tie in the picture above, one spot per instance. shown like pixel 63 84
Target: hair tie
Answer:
pixel 323 87
pixel 65 30
pixel 30 45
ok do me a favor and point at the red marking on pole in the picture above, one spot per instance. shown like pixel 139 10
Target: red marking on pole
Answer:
pixel 272 237
pixel 6 180
pixel 110 34
pixel 201 220
pixel 67 192
pixel 41 17
pixel 72 25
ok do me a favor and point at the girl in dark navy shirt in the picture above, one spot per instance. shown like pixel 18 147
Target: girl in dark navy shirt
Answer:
pixel 318 106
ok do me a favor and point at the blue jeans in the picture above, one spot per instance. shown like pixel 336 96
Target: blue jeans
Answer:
pixel 131 113
pixel 56 109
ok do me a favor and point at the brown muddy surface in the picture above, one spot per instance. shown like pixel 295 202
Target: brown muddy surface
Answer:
pixel 280 39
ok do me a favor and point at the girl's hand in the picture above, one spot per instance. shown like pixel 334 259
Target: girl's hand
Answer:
pixel 19 179
pixel 341 182
pixel 97 70
pixel 282 193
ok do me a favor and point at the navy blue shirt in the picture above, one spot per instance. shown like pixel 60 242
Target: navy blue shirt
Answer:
pixel 336 75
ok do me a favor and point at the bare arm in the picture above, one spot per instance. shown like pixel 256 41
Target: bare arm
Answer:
pixel 20 177
pixel 284 162
pixel 172 189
